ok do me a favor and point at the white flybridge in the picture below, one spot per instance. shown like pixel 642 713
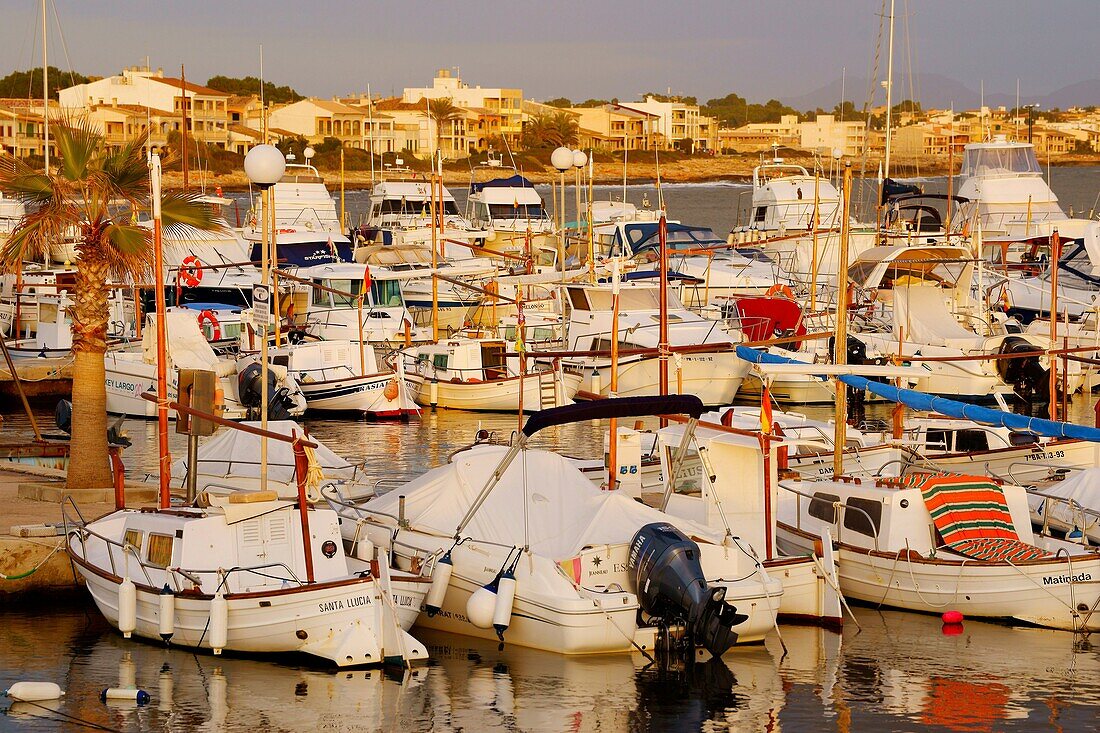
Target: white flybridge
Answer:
pixel 525 548
pixel 401 214
pixel 714 375
pixel 934 542
pixel 307 229
pixel 511 212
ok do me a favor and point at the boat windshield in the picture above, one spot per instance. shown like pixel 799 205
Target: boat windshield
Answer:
pixel 516 211
pixel 1000 161
pixel 414 206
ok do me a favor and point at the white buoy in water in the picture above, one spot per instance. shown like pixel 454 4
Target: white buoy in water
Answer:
pixel 219 622
pixel 127 607
pixel 167 614
pixel 34 691
pixel 141 697
pixel 481 605
pixel 441 578
pixel 506 596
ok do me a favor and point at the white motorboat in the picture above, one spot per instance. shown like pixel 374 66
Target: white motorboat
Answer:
pixel 482 374
pixel 511 212
pixel 714 375
pixel 249 573
pixel 937 542
pixel 131 372
pixel 346 376
pixel 308 230
pixel 1069 505
pixel 400 215
pixel 327 304
pixel 925 293
pixel 524 547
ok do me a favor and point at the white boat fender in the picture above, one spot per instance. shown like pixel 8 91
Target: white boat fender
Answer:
pixel 364 549
pixel 441 579
pixel 219 622
pixel 482 604
pixel 506 596
pixel 166 617
pixel 127 607
pixel 141 697
pixel 34 691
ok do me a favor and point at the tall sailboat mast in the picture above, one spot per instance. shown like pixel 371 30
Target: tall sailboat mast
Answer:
pixel 889 87
pixel 45 94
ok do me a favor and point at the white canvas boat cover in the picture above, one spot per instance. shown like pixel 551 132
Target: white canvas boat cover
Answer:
pixel 565 511
pixel 235 453
pixel 1082 487
pixel 187 347
pixel 922 316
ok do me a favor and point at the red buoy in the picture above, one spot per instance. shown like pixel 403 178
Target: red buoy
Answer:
pixel 952 617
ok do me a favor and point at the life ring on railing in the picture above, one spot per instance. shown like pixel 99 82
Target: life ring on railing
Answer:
pixel 191 271
pixel 207 316
pixel 781 290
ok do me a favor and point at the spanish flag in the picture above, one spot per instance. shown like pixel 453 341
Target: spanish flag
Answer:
pixel 765 410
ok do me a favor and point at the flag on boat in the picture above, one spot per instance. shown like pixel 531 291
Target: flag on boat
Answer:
pixel 572 569
pixel 765 409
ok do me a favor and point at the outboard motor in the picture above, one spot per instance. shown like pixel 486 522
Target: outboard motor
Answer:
pixel 1025 374
pixel 250 390
pixel 670 583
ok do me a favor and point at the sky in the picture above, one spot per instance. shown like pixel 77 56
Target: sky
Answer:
pixel 761 49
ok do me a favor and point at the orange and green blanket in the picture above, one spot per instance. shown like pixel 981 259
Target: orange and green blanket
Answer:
pixel 972 517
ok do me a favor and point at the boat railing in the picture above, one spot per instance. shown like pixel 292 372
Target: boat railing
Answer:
pixel 839 508
pixel 1077 511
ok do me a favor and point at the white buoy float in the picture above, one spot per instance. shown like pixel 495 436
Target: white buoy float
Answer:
pixel 130 694
pixel 506 596
pixel 127 607
pixel 167 613
pixel 34 691
pixel 364 549
pixel 481 605
pixel 441 579
pixel 219 622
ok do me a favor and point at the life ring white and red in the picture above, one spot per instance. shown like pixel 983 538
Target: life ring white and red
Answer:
pixel 780 290
pixel 191 271
pixel 208 317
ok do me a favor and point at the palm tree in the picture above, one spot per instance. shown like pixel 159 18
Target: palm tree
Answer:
pixel 551 130
pixel 97 191
pixel 441 111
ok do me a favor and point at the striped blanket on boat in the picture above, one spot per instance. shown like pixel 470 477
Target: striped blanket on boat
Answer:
pixel 972 516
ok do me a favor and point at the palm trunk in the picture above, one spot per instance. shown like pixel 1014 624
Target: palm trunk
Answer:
pixel 88 460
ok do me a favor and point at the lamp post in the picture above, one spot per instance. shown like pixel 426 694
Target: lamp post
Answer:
pixel 579 161
pixel 562 160
pixel 264 165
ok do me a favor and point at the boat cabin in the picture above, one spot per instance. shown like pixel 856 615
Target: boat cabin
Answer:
pixel 783 199
pixel 466 360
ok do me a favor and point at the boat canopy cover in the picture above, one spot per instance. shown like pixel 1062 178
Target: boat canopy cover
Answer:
pixel 891 189
pixel 516 181
pixel 952 408
pixel 542 501
pixel 1082 487
pixel 685 404
pixel 235 453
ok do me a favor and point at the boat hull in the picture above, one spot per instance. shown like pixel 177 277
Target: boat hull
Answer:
pixel 501 395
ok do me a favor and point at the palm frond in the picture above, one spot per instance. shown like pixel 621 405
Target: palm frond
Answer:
pixel 79 142
pixel 182 212
pixel 126 172
pixel 125 248
pixel 19 181
pixel 31 239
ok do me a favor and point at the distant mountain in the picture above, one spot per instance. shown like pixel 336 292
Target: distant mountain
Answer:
pixel 938 91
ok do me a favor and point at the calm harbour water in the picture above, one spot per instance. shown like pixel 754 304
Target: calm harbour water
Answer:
pixel 895 671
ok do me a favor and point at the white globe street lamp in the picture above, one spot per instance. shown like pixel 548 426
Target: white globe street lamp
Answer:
pixel 264 165
pixel 562 159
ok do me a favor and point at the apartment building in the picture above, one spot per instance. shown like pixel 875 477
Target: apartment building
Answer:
pixel 621 127
pixel 207 109
pixel 826 134
pixel 507 103
pixel 678 125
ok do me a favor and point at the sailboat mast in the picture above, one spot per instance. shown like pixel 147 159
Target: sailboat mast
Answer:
pixel 45 94
pixel 162 338
pixel 889 86
pixel 183 132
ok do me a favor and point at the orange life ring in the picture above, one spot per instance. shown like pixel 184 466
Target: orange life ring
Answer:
pixel 781 290
pixel 207 316
pixel 191 271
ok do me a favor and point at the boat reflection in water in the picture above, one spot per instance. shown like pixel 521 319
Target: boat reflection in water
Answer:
pixel 901 672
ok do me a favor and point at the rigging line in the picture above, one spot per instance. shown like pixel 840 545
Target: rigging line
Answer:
pixel 868 101
pixel 909 60
pixel 34 49
pixel 64 44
